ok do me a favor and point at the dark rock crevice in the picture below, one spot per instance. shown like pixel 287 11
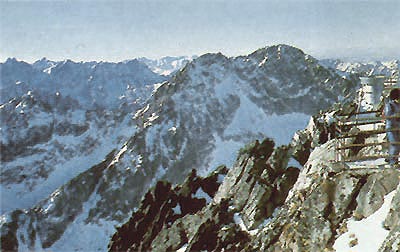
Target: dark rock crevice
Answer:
pixel 337 219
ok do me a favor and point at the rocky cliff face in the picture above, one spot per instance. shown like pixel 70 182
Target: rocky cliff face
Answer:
pixel 262 204
pixel 219 206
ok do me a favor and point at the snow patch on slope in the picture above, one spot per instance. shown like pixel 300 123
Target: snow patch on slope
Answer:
pixel 22 196
pixel 369 231
pixel 80 235
pixel 250 119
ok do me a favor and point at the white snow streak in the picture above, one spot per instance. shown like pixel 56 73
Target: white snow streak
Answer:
pixel 369 231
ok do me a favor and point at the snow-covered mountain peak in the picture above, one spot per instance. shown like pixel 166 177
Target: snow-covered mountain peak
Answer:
pixel 281 48
pixel 210 58
pixel 372 68
pixel 44 65
pixel 277 52
pixel 229 96
pixel 12 60
pixel 92 83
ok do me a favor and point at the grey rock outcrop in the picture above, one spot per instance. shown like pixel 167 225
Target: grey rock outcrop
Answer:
pixel 249 194
pixel 322 201
pixel 161 207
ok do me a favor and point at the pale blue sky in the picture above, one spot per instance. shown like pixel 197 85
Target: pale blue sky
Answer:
pixel 119 30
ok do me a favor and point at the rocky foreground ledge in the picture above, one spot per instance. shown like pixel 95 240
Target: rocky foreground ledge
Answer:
pixel 261 204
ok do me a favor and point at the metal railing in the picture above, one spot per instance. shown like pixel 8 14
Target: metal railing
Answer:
pixel 347 122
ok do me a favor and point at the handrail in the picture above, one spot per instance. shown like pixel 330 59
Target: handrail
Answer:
pixel 369 133
pixel 364 158
pixel 361 113
pixel 361 123
pixel 349 146
pixel 345 120
pixel 389 87
pixel 370 118
pixel 378 167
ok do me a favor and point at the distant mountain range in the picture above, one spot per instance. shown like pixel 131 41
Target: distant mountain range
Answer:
pixel 167 65
pixel 374 68
pixel 93 84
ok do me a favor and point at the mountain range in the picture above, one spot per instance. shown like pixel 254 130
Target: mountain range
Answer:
pixel 167 65
pixel 55 115
pixel 82 143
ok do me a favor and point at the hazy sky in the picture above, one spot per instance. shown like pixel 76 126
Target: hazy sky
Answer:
pixel 118 30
